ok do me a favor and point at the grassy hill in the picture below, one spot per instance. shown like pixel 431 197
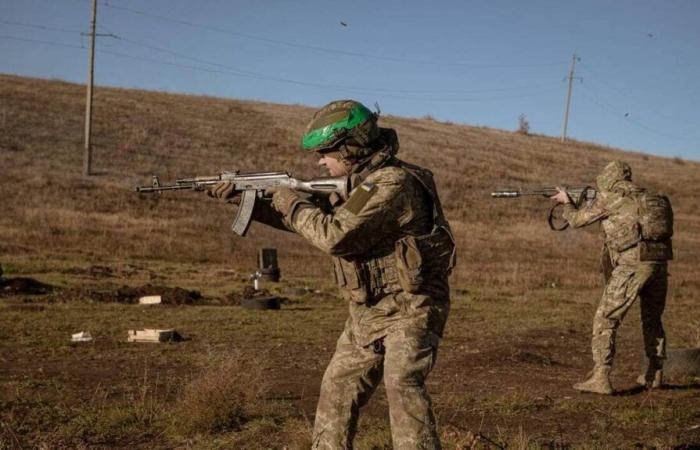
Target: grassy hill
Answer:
pixel 517 338
pixel 54 216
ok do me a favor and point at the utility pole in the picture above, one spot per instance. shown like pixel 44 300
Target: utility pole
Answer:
pixel 571 77
pixel 87 155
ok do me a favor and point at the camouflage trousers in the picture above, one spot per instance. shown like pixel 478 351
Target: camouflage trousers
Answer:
pixel 354 373
pixel 646 282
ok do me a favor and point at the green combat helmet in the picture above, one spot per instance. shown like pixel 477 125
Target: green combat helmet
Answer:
pixel 342 121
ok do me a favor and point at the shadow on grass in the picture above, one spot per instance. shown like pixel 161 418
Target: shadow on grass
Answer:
pixel 666 387
pixel 631 391
pixel 681 387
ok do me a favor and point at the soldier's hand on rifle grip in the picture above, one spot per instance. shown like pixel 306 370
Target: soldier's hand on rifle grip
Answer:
pixel 224 191
pixel 284 199
pixel 561 196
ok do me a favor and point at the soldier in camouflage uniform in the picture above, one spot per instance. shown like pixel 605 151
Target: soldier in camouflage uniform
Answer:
pixel 392 253
pixel 636 269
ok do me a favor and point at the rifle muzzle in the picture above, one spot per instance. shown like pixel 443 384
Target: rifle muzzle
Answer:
pixel 501 194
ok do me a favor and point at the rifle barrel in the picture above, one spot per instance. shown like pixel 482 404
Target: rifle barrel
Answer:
pixel 583 191
pixel 176 187
pixel 512 194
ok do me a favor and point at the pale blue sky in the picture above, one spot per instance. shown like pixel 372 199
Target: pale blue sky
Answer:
pixel 473 62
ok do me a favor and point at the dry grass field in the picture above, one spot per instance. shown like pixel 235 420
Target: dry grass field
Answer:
pixel 516 340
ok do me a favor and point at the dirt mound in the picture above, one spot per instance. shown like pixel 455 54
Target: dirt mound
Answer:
pixel 23 286
pixel 131 295
pixel 234 298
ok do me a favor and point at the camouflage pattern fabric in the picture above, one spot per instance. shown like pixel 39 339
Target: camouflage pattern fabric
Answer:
pixel 397 206
pixel 646 282
pixel 630 279
pixel 612 173
pixel 354 373
pixel 389 333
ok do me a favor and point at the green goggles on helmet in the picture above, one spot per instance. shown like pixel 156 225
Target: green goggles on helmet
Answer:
pixel 330 135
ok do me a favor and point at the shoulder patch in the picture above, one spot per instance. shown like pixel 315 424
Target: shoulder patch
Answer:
pixel 360 197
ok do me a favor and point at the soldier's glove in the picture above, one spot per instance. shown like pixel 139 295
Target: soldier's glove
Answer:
pixel 285 200
pixel 224 191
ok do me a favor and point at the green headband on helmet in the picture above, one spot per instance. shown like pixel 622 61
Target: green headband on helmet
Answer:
pixel 330 134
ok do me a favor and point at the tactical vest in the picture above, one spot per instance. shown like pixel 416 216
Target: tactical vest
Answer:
pixel 417 264
pixel 641 219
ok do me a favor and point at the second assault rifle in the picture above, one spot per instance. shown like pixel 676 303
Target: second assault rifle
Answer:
pixel 252 186
pixel 577 195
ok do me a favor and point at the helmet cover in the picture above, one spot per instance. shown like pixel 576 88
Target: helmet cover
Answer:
pixel 339 121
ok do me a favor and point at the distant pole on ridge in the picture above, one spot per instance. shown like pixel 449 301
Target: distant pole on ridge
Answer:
pixel 568 97
pixel 87 155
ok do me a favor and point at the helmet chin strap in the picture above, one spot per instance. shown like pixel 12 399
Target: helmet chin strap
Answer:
pixel 347 162
pixel 362 160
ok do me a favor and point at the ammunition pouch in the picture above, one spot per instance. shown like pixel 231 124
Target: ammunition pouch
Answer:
pixel 655 251
pixel 416 261
pixel 421 258
pixel 361 280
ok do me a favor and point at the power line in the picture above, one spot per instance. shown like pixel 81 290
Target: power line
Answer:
pixel 620 91
pixel 232 71
pixel 349 88
pixel 626 118
pixel 39 41
pixel 87 154
pixel 39 27
pixel 333 51
pixel 326 86
pixel 571 78
pixel 188 57
pixel 625 95
pixel 240 71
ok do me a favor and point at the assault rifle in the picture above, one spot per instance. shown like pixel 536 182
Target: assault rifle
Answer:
pixel 577 195
pixel 252 186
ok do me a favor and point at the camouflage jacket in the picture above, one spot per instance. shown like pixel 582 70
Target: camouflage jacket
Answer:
pixel 618 213
pixel 361 235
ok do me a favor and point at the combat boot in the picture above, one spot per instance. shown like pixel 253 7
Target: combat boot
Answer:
pixel 598 381
pixel 652 379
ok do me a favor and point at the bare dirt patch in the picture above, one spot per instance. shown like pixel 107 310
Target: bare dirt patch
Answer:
pixel 130 295
pixel 23 286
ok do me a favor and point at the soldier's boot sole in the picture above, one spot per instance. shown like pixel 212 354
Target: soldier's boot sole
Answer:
pixel 593 388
